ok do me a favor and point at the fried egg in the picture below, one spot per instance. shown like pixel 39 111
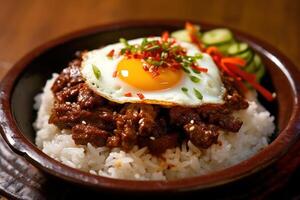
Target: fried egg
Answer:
pixel 121 79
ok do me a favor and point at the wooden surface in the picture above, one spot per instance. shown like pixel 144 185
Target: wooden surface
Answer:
pixel 25 24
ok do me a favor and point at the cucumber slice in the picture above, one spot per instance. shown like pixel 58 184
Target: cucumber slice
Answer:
pixel 237 48
pixel 217 36
pixel 260 72
pixel 257 60
pixel 181 35
pixel 251 67
pixel 256 67
pixel 224 46
pixel 247 55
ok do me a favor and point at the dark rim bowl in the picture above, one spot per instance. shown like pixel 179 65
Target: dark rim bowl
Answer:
pixel 27 77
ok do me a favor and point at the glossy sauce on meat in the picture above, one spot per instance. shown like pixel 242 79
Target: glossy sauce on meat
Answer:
pixel 100 122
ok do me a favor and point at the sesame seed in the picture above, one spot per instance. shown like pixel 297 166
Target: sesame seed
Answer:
pixel 68 103
pixel 192 121
pixel 141 120
pixel 152 138
pixel 83 122
pixel 192 128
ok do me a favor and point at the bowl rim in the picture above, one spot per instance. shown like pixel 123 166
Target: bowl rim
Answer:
pixel 22 146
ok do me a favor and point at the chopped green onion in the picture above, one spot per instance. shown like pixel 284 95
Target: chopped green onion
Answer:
pixel 195 79
pixel 152 48
pixel 184 89
pixel 198 56
pixel 96 71
pixel 198 94
pixel 123 51
pixel 124 41
pixel 196 71
pixel 185 70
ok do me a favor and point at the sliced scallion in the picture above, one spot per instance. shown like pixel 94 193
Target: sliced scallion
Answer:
pixel 198 94
pixel 184 90
pixel 195 79
pixel 96 71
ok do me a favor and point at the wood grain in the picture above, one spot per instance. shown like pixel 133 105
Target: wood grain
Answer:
pixel 26 24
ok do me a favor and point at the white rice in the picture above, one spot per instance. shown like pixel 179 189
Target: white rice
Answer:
pixel 139 164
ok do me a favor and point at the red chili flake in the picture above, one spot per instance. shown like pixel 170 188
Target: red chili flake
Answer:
pixel 176 65
pixel 145 67
pixel 111 53
pixel 165 36
pixel 115 74
pixel 199 69
pixel 128 94
pixel 140 95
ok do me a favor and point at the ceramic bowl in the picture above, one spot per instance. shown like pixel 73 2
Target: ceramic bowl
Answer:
pixel 27 77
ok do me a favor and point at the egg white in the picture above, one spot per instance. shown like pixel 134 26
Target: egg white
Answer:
pixel 112 88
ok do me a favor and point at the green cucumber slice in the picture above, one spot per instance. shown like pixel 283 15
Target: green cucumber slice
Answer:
pixel 224 46
pixel 247 55
pixel 237 48
pixel 251 67
pixel 217 36
pixel 181 35
pixel 256 67
pixel 260 72
pixel 257 60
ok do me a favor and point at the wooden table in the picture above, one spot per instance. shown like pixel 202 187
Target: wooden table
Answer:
pixel 26 24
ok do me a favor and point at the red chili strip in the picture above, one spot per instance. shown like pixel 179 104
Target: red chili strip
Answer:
pixel 239 72
pixel 199 69
pixel 263 91
pixel 251 79
pixel 228 72
pixel 193 35
pixel 241 85
pixel 213 51
pixel 230 67
pixel 234 60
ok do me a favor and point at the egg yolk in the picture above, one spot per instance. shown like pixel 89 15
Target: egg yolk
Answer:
pixel 131 71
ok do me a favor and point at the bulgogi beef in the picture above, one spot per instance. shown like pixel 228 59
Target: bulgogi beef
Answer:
pixel 100 122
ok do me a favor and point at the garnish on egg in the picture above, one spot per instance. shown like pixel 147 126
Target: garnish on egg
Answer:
pixel 111 54
pixel 163 53
pixel 198 94
pixel 195 79
pixel 153 70
pixel 96 71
